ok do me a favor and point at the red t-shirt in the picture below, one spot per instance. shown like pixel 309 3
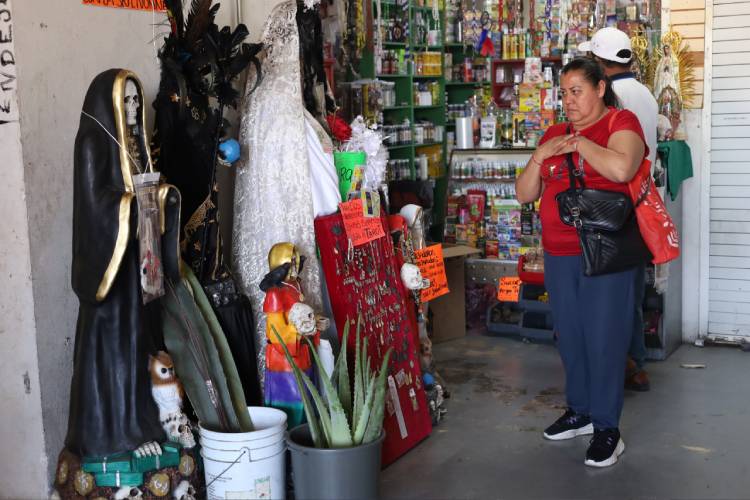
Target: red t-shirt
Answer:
pixel 557 238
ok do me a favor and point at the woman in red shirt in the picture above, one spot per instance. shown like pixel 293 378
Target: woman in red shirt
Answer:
pixel 593 315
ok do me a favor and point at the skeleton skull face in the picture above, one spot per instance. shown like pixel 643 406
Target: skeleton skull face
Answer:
pixel 186 438
pixel 128 492
pixel 303 318
pixel 184 491
pixel 132 102
pixel 412 277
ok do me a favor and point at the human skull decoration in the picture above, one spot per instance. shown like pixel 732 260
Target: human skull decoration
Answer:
pixel 412 278
pixel 302 317
pixel 184 491
pixel 132 102
pixel 127 493
pixel 186 437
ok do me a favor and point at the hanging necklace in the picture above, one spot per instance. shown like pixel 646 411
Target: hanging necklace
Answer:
pixel 297 288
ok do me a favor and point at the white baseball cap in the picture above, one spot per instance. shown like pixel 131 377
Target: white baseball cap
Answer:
pixel 610 44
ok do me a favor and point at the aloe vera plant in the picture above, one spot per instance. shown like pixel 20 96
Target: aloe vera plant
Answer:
pixel 338 420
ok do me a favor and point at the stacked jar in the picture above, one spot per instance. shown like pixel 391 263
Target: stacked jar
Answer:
pixel 397 135
pixel 398 170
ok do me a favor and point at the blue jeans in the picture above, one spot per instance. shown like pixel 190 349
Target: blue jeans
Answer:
pixel 637 349
pixel 594 318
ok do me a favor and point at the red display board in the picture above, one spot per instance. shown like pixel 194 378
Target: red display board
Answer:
pixel 366 280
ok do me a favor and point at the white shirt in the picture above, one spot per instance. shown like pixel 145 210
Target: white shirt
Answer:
pixel 635 97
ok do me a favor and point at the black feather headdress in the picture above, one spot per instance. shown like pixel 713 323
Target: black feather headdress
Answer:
pixel 200 62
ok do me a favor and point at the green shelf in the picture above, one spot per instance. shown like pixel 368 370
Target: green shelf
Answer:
pixel 469 84
pixel 404 105
pixel 400 146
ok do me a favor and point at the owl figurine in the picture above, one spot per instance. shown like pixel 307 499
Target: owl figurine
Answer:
pixel 167 391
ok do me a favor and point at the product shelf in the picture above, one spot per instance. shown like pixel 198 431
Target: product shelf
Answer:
pixel 400 146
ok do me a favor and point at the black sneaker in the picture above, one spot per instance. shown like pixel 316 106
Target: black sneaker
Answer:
pixel 570 425
pixel 605 448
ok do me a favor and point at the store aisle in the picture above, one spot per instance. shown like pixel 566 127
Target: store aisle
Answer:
pixel 686 438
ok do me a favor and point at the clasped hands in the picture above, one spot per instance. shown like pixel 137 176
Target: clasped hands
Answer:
pixel 560 145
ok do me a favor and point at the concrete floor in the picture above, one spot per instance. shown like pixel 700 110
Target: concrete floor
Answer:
pixel 686 438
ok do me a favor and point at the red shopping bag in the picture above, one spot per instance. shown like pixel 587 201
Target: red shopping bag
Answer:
pixel 657 229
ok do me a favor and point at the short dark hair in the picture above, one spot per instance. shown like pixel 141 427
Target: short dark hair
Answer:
pixel 594 74
pixel 614 64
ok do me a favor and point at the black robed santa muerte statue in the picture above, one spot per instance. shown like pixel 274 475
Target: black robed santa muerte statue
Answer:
pixel 111 406
pixel 125 248
pixel 199 63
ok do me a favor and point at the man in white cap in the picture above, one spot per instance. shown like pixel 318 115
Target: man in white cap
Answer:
pixel 612 50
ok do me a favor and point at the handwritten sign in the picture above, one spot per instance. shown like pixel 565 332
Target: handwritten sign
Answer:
pixel 509 289
pixel 8 100
pixel 430 263
pixel 360 229
pixel 157 5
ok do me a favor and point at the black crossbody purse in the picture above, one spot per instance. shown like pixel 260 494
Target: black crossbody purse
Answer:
pixel 606 225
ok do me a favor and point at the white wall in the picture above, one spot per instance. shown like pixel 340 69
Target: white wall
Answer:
pixel 690 192
pixel 19 372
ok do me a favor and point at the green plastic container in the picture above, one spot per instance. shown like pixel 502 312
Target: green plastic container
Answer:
pixel 346 163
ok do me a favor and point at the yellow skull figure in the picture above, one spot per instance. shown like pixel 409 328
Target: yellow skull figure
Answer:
pixel 286 291
pixel 287 315
pixel 285 253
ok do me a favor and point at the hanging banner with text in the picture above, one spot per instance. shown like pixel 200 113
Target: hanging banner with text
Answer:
pixel 431 265
pixel 509 289
pixel 157 5
pixel 360 229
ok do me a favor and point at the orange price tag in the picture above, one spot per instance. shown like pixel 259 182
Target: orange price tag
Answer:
pixel 509 289
pixel 157 5
pixel 360 229
pixel 431 265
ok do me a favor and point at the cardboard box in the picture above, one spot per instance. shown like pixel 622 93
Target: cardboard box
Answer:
pixel 449 311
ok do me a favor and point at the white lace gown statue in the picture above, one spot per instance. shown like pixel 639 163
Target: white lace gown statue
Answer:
pixel 273 200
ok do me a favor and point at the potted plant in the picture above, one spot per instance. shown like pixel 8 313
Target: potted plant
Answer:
pixel 336 454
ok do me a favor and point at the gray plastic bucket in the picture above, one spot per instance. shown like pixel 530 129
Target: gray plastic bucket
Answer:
pixel 334 474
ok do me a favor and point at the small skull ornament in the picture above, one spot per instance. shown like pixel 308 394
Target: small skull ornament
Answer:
pixel 412 277
pixel 186 437
pixel 302 317
pixel 184 491
pixel 128 493
pixel 132 102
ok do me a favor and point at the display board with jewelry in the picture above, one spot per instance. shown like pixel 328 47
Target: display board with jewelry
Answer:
pixel 365 281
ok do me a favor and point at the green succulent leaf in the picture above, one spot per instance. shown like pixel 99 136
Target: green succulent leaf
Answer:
pixel 375 423
pixel 359 389
pixel 340 435
pixel 364 417
pixel 317 427
pixel 342 375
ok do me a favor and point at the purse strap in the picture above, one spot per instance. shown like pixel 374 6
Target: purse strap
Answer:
pixel 575 175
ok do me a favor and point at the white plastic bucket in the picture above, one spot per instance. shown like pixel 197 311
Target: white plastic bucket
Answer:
pixel 247 464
